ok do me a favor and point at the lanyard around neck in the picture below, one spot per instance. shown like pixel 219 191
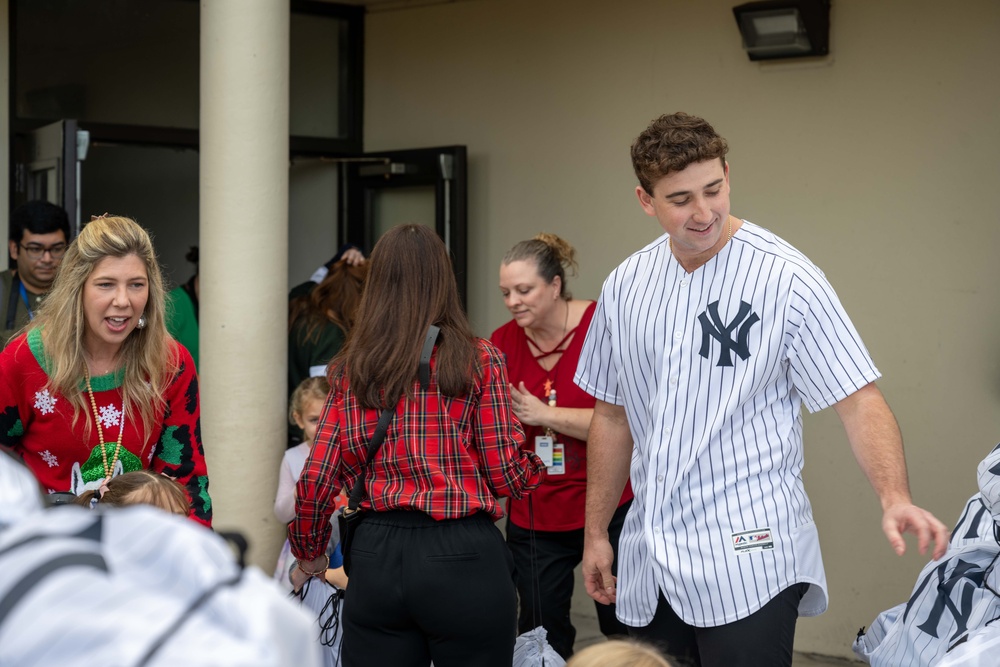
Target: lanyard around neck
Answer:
pixel 27 302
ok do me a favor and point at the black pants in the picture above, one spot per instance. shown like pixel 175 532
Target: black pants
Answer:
pixel 423 590
pixel 763 638
pixel 558 553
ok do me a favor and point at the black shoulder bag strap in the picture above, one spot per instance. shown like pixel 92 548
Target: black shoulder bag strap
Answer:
pixel 424 373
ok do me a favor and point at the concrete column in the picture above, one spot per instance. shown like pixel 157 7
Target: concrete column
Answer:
pixel 244 262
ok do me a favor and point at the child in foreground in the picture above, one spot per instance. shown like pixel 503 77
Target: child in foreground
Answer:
pixel 619 653
pixel 139 487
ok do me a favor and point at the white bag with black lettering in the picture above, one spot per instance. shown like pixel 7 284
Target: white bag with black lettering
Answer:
pixel 134 586
pixel 953 614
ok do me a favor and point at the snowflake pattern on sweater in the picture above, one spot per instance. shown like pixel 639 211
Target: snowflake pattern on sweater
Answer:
pixel 38 426
pixel 110 416
pixel 45 402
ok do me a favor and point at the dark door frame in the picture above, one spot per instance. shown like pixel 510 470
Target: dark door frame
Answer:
pixel 351 98
pixel 445 168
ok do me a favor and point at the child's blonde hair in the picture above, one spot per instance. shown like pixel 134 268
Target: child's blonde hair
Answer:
pixel 308 389
pixel 619 653
pixel 140 487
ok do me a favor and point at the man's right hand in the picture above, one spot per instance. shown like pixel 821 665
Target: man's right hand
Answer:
pixel 597 559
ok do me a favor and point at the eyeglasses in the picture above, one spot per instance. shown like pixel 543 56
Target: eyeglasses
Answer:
pixel 36 251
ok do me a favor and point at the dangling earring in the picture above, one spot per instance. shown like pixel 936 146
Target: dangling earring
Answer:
pixel 141 324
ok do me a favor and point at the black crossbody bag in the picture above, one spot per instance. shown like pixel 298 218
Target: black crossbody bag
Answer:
pixel 349 520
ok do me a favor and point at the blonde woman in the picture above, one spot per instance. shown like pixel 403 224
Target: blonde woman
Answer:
pixel 542 344
pixel 96 386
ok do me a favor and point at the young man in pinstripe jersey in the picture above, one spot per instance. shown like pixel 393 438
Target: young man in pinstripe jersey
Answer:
pixel 704 346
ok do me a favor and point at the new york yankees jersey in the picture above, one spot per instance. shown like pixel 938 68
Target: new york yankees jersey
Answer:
pixel 954 604
pixel 712 368
pixel 989 482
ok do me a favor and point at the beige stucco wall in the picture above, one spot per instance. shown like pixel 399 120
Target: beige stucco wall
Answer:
pixel 877 162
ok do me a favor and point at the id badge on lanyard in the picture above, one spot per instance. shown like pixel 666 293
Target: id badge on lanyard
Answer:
pixel 552 453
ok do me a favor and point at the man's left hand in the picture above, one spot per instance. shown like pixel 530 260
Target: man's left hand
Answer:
pixel 906 518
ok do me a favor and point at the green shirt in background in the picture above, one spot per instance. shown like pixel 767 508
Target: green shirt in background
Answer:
pixel 182 320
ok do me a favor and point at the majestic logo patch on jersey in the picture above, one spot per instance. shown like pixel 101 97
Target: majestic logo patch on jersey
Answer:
pixel 712 327
pixel 749 541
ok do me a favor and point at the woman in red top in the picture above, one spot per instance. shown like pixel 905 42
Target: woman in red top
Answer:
pixel 542 344
pixel 430 577
pixel 97 387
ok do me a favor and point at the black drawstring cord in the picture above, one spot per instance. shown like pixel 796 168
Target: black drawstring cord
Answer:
pixel 329 616
pixel 329 627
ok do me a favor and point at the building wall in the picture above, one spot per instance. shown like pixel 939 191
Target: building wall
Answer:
pixel 877 162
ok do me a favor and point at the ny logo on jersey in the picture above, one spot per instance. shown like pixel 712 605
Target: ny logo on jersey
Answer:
pixel 966 578
pixel 714 328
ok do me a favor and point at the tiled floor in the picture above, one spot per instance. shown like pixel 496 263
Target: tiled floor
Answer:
pixel 587 632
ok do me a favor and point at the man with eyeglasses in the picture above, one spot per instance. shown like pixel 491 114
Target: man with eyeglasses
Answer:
pixel 39 235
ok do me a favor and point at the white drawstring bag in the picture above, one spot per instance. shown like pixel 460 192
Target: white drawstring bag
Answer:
pixel 979 649
pixel 532 648
pixel 136 586
pixel 325 604
pixel 952 615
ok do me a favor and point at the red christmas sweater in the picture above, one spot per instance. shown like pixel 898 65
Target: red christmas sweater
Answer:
pixel 559 501
pixel 38 425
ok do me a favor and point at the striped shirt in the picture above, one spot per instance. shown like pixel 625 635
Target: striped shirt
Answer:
pixel 954 603
pixel 447 457
pixel 989 482
pixel 712 368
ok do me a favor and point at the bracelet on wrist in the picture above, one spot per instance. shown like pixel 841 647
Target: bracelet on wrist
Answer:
pixel 316 572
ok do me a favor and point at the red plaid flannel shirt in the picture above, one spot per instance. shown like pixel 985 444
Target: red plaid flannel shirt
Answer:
pixel 447 457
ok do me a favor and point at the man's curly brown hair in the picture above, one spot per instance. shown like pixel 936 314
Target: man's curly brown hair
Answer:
pixel 671 143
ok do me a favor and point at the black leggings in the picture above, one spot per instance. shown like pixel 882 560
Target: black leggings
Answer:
pixel 423 590
pixel 762 638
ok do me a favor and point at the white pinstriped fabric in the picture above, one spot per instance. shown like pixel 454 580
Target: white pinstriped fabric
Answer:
pixel 988 474
pixel 718 448
pixel 951 615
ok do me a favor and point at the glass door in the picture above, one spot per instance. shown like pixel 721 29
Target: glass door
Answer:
pixel 424 186
pixel 47 167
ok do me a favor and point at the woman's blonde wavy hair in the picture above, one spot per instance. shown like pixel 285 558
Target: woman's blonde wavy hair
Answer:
pixel 146 355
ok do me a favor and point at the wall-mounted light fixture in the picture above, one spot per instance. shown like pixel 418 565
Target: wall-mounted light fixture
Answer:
pixel 792 29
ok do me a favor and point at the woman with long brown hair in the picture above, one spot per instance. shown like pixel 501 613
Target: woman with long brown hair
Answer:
pixel 318 322
pixel 97 387
pixel 431 576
